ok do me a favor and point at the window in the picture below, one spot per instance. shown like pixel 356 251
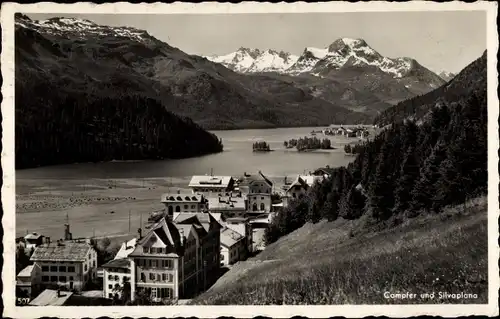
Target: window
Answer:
pixel 177 209
pixel 62 278
pixel 151 276
pixel 85 267
pixel 221 257
pixel 45 278
pixel 45 268
pixel 93 263
pixel 62 268
pixel 110 296
pixel 149 263
pixel 71 268
pixel 70 278
pixel 110 286
pixel 193 206
pixel 186 206
pixel 90 256
pixel 53 268
pixel 293 195
pixel 117 278
pixel 143 277
pixel 262 198
pixel 158 277
pixel 164 277
pixel 262 206
pixel 254 207
pixel 53 278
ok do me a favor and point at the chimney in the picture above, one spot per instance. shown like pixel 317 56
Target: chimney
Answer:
pixel 58 292
pixel 140 233
pixel 178 191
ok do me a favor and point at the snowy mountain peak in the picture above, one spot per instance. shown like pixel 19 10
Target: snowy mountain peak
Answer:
pixel 247 60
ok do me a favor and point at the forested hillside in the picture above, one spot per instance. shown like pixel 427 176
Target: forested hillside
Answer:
pixel 471 79
pixel 406 169
pixel 55 127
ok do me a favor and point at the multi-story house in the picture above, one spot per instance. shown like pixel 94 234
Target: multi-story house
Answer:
pixel 68 264
pixel 299 187
pixel 233 247
pixel 186 203
pixel 209 185
pixel 243 227
pixel 32 240
pixel 28 281
pixel 258 190
pixel 116 274
pixel 176 260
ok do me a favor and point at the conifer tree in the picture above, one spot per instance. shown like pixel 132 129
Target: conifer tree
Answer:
pixel 409 174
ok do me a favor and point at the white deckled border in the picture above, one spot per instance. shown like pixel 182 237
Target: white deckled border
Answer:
pixel 8 187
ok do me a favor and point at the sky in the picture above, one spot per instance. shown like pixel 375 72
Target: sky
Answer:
pixel 441 41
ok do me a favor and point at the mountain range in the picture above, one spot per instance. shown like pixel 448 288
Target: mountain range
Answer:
pixel 348 83
pixel 344 52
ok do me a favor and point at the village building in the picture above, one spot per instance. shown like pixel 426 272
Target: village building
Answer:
pixel 185 203
pixel 258 190
pixel 233 247
pixel 209 185
pixel 227 206
pixel 176 259
pixel 299 187
pixel 242 226
pixel 33 240
pixel 28 281
pixel 68 264
pixel 116 274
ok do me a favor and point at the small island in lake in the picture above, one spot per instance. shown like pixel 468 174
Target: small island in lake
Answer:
pixel 309 143
pixel 261 147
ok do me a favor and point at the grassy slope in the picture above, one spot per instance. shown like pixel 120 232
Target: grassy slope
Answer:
pixel 345 263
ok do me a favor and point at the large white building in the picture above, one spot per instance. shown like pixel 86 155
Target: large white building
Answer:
pixel 68 264
pixel 176 259
pixel 258 190
pixel 116 274
pixel 186 203
pixel 209 185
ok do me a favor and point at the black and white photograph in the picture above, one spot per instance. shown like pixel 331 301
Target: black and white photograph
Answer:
pixel 159 158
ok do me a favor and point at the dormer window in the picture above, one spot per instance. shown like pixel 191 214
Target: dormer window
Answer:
pixel 187 198
pixel 179 198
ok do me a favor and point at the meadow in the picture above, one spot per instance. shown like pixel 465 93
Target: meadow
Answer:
pixel 345 262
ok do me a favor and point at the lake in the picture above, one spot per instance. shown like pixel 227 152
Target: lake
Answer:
pixel 236 159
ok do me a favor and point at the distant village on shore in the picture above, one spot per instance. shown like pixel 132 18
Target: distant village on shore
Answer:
pixel 178 254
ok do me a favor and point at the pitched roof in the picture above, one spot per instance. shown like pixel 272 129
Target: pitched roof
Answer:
pixel 126 249
pixel 49 297
pixel 67 251
pixel 33 236
pixel 166 231
pixel 26 272
pixel 202 219
pixel 117 263
pixel 210 181
pixel 229 237
pixel 249 179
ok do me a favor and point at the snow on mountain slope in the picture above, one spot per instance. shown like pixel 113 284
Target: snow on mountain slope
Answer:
pixel 246 60
pixel 344 52
pixel 81 28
